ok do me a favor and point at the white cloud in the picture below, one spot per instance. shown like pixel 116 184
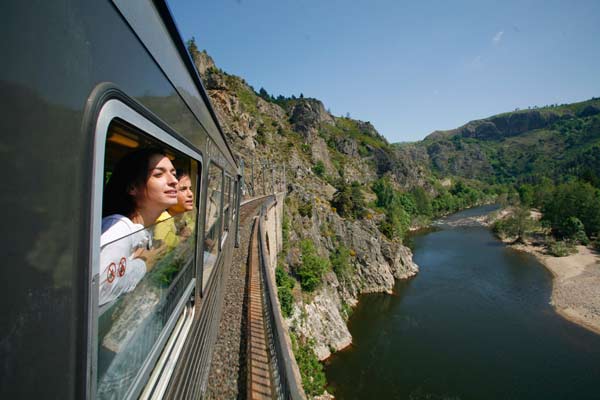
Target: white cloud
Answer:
pixel 497 37
pixel 475 63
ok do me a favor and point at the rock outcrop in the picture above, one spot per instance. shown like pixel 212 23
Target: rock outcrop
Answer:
pixel 376 263
pixel 307 115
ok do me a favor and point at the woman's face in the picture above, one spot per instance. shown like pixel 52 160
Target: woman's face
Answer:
pixel 185 196
pixel 160 191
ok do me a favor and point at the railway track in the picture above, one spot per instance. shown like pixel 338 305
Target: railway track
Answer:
pixel 230 370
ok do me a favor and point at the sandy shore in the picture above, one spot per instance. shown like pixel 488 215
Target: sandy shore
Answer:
pixel 576 284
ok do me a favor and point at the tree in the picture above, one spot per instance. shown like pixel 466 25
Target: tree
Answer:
pixel 518 225
pixel 340 262
pixel 264 94
pixel 348 200
pixel 191 46
pixel 422 201
pixel 573 199
pixel 526 194
pixel 312 267
pixel 573 229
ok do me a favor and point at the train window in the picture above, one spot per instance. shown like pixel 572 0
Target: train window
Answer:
pixel 213 221
pixel 146 264
pixel 226 203
pixel 232 197
pixel 235 201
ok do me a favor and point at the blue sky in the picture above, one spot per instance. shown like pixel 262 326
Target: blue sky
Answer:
pixel 407 67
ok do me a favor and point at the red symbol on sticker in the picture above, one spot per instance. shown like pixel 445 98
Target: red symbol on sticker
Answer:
pixel 122 266
pixel 112 270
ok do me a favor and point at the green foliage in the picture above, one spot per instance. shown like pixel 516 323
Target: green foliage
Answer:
pixel 397 206
pixel 396 222
pixel 518 225
pixel 319 168
pixel 285 285
pixel 573 199
pixel 340 262
pixel 384 191
pixel 560 248
pixel 565 142
pixel 285 234
pixel 348 200
pixel 305 209
pixel 459 197
pixel 526 194
pixel 312 267
pixel 311 370
pixel 573 229
pixel 422 201
pixel 191 46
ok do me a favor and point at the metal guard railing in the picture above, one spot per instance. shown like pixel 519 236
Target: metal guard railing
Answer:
pixel 285 380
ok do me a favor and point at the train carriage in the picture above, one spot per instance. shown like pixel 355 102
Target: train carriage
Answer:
pixel 84 85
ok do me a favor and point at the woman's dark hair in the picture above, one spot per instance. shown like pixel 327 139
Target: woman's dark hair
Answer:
pixel 131 171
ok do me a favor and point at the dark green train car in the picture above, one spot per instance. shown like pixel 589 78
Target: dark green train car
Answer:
pixel 84 84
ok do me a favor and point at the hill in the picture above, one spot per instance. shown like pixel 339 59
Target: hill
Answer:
pixel 521 146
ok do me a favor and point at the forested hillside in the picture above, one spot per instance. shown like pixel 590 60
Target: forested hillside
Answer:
pixel 522 146
pixel 547 158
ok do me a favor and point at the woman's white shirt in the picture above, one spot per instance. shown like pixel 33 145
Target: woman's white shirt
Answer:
pixel 119 272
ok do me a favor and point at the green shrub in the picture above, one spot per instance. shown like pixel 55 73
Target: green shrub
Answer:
pixel 285 284
pixel 560 248
pixel 319 168
pixel 305 209
pixel 311 370
pixel 396 223
pixel 349 201
pixel 340 262
pixel 312 267
pixel 572 229
pixel 518 225
pixel 285 234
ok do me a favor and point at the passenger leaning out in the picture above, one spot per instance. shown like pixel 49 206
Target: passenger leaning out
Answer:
pixel 166 231
pixel 142 186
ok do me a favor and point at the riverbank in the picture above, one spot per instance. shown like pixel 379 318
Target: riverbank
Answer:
pixel 575 284
pixel 576 278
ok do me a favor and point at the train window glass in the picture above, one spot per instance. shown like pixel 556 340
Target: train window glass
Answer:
pixel 213 220
pixel 147 251
pixel 226 203
pixel 235 201
pixel 231 199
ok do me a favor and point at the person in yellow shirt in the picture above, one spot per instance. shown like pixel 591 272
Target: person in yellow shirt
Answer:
pixel 167 231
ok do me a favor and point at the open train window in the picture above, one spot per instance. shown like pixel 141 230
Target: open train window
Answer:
pixel 144 269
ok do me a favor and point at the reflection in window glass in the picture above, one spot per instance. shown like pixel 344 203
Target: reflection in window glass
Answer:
pixel 143 271
pixel 213 220
pixel 234 201
pixel 152 277
pixel 226 202
pixel 233 198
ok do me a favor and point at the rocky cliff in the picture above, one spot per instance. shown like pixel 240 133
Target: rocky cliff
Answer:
pixel 318 150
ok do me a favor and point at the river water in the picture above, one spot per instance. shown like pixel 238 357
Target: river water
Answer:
pixel 475 323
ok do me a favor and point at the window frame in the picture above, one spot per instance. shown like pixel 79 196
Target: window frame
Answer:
pixel 142 120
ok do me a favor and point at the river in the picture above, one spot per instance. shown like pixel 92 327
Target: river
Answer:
pixel 474 323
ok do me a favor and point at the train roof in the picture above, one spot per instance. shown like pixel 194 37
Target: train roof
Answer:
pixel 154 24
